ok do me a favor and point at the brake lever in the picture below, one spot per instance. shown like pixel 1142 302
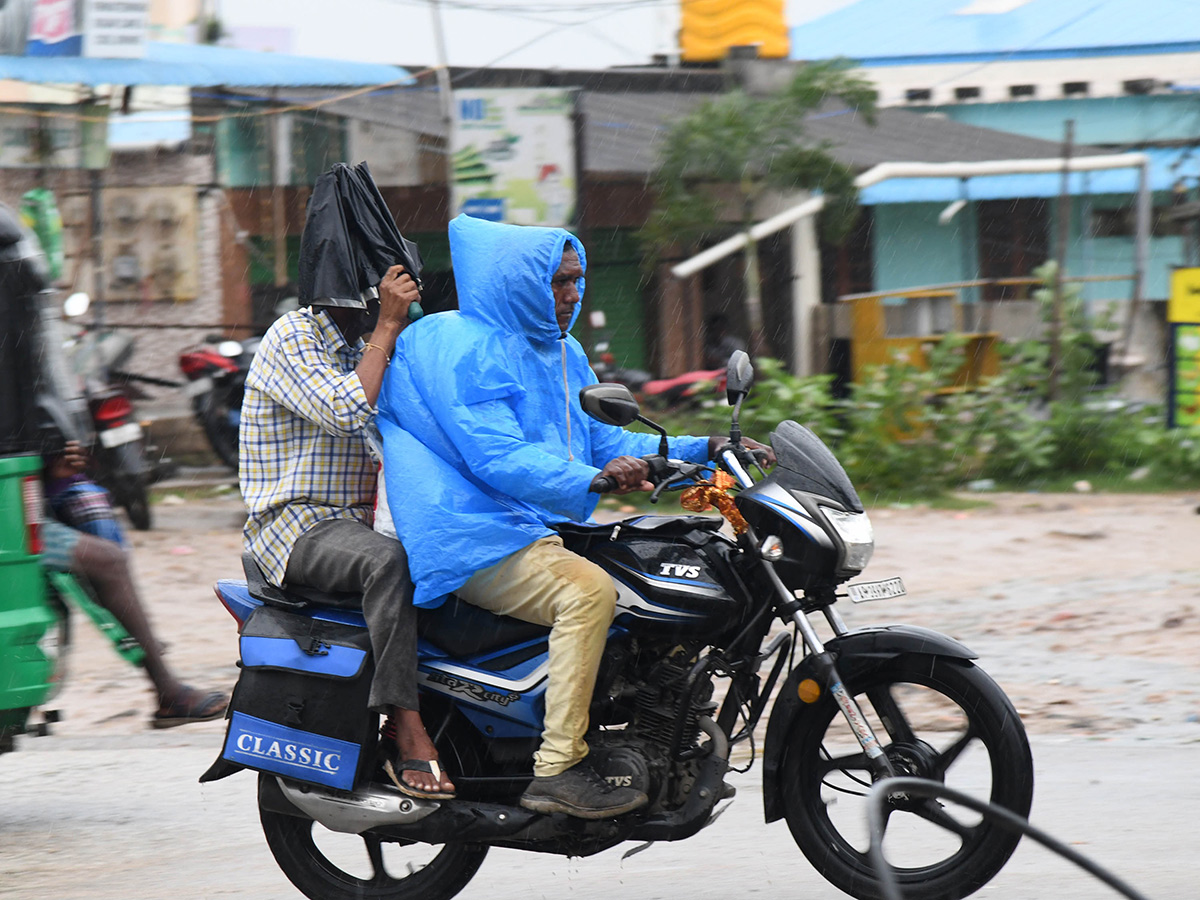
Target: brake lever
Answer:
pixel 683 472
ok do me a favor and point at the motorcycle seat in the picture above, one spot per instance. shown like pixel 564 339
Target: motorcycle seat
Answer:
pixel 294 596
pixel 464 631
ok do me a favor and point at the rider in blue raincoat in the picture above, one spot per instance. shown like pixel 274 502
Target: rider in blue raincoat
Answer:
pixel 486 446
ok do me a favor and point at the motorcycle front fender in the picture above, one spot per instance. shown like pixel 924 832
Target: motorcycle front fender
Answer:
pixel 854 653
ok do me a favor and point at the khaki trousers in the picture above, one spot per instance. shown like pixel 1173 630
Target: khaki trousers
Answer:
pixel 547 584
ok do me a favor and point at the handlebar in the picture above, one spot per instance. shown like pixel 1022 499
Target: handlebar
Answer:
pixel 660 468
pixel 602 484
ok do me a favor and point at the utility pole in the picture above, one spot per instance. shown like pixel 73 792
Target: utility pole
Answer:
pixel 443 69
pixel 275 123
pixel 1060 253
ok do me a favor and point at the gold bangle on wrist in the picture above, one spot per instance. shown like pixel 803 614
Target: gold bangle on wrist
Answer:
pixel 369 346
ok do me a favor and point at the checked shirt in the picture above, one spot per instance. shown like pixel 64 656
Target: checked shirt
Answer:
pixel 303 454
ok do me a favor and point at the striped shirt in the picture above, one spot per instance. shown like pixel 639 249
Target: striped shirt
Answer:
pixel 303 454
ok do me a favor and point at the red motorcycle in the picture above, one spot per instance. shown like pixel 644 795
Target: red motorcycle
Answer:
pixel 702 387
pixel 216 372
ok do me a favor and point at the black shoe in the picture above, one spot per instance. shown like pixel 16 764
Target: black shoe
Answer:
pixel 582 793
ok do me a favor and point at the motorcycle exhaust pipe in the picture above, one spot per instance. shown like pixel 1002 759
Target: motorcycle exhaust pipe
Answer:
pixel 356 811
pixel 376 807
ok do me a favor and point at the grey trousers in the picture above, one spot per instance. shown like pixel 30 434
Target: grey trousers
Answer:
pixel 344 555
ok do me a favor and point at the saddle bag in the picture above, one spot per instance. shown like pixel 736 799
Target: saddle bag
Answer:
pixel 300 705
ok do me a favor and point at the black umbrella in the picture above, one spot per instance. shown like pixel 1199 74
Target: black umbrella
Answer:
pixel 350 240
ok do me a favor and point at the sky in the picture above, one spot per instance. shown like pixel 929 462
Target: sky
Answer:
pixel 589 34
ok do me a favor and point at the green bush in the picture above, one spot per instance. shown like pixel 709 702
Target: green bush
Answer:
pixel 906 430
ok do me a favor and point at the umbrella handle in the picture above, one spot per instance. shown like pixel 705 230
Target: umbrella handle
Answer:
pixel 415 311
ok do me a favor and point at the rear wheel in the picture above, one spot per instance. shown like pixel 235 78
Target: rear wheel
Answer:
pixel 217 419
pixel 327 865
pixel 941 719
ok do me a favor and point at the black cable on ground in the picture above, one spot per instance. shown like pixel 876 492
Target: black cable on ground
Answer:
pixel 1006 819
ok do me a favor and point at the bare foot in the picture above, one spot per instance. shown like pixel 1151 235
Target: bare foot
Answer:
pixel 413 742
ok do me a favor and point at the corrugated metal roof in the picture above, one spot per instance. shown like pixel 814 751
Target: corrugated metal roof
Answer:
pixel 622 133
pixel 887 32
pixel 1167 166
pixel 197 65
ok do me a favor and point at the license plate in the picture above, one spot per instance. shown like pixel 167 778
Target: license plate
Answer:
pixel 876 590
pixel 198 387
pixel 122 434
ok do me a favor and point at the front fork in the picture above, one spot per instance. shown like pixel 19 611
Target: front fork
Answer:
pixel 877 761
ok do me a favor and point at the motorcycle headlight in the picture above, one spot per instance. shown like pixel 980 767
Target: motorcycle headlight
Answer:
pixel 857 535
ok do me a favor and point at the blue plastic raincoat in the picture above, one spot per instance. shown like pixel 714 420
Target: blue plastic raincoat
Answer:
pixel 485 442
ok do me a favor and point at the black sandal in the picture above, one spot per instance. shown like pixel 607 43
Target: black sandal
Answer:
pixel 417 765
pixel 190 706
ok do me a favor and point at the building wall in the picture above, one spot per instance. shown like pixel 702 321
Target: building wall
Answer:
pixel 1098 120
pixel 911 249
pixel 1106 76
pixel 162 328
pixel 1115 255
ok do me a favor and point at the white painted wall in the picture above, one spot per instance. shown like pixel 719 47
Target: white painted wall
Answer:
pixel 1105 76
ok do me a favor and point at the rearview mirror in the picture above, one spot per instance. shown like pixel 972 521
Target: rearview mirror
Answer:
pixel 612 404
pixel 76 305
pixel 739 375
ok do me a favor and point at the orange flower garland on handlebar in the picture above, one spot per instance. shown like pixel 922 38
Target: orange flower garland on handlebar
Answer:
pixel 704 495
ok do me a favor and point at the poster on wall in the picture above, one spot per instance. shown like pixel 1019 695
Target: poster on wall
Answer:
pixel 513 155
pixel 1183 314
pixel 55 29
pixel 1185 406
pixel 99 28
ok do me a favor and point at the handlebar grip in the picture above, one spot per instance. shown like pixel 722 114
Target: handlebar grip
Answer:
pixel 602 484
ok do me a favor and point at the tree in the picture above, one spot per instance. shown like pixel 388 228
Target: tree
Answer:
pixel 750 144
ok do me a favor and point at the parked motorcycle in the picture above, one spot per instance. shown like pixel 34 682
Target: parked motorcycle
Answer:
pixel 689 390
pixel 604 364
pixel 216 372
pixel 695 608
pixel 119 456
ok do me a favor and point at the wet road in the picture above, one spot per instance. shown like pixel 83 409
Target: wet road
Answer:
pixel 122 818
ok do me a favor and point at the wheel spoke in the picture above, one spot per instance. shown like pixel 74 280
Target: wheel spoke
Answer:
pixel 950 755
pixel 375 853
pixel 891 714
pixel 932 811
pixel 849 763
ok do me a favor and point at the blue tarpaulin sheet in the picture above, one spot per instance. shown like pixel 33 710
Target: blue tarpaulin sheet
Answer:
pixel 199 65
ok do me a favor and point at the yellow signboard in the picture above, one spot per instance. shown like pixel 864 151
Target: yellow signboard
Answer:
pixel 1184 303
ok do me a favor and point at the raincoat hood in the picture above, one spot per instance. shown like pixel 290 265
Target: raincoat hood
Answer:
pixel 503 275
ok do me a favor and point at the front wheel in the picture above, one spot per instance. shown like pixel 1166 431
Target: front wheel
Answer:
pixel 327 865
pixel 137 505
pixel 938 718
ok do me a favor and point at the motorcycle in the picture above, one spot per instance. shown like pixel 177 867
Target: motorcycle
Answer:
pixel 216 372
pixel 604 364
pixel 695 608
pixel 702 387
pixel 119 457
